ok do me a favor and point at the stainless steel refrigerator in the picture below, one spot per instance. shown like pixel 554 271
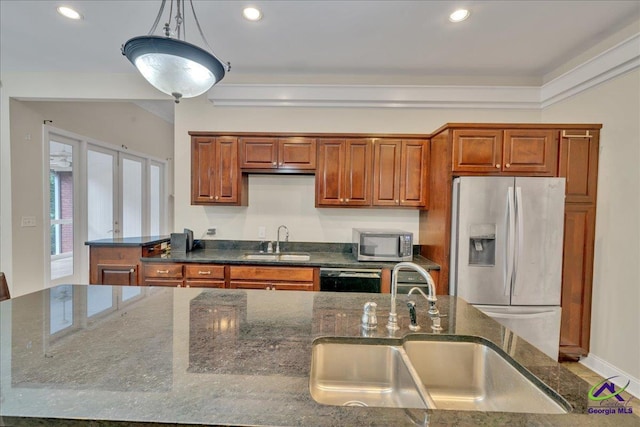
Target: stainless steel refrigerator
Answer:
pixel 506 252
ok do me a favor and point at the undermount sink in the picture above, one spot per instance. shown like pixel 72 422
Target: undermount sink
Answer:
pixel 285 256
pixel 426 371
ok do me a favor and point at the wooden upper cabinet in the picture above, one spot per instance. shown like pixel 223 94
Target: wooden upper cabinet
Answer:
pixel 259 153
pixel 344 171
pixel 215 172
pixel 399 172
pixel 534 151
pixel 272 154
pixel 579 164
pixel 510 151
pixel 477 150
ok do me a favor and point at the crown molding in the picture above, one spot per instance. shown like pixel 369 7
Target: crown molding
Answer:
pixel 611 63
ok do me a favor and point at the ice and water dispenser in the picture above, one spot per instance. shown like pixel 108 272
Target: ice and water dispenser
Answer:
pixel 482 244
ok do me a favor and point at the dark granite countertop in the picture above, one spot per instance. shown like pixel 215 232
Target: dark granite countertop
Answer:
pixel 221 357
pixel 129 241
pixel 329 255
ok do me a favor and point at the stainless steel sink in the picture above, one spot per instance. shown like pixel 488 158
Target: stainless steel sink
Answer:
pixel 427 371
pixel 348 373
pixel 285 256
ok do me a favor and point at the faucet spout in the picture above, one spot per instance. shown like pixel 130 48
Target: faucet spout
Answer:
pixel 286 237
pixel 392 323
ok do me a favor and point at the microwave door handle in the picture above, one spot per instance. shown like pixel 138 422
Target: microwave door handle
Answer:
pixel 399 251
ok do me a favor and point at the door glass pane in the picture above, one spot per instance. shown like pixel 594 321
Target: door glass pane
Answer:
pixel 155 200
pixel 129 292
pixel 61 208
pixel 131 198
pixel 60 308
pixel 100 195
pixel 99 299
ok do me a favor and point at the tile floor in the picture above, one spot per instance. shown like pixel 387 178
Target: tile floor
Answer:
pixel 592 378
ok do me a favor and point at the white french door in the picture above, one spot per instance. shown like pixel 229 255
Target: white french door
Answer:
pixel 96 191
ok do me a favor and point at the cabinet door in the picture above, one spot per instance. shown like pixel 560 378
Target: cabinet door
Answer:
pixel 297 154
pixel 414 182
pixel 203 158
pixel 330 175
pixel 226 174
pixel 258 153
pixel 533 151
pixel 386 172
pixel 579 164
pixel 113 274
pixel 477 150
pixel 577 276
pixel 357 173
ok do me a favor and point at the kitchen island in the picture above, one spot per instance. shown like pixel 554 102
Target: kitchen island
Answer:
pixel 221 357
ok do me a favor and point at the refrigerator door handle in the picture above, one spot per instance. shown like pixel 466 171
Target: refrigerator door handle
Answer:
pixel 519 238
pixel 510 239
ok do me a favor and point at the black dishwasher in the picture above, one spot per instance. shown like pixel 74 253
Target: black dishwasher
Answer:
pixel 350 279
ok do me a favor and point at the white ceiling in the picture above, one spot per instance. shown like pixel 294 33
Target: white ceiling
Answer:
pixel 502 40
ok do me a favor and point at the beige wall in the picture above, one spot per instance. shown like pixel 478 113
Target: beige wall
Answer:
pixel 615 321
pixel 117 123
pixel 289 200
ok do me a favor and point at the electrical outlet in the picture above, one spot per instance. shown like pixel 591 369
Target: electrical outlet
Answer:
pixel 262 232
pixel 28 221
pixel 211 231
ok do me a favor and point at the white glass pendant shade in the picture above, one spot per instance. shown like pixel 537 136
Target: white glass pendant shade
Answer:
pixel 173 66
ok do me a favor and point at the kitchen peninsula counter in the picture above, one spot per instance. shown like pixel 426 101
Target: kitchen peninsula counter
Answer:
pixel 222 357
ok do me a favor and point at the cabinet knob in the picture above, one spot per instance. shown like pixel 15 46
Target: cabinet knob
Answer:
pixel 210 197
pixel 216 197
pixel 346 200
pixel 281 163
pixel 274 163
pixel 341 200
pixel 498 166
pixel 178 286
pixel 133 270
pixel 397 202
pixel 268 288
pixel 401 201
pixel 508 165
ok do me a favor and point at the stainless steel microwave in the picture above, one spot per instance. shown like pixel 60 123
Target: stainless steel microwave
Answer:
pixel 370 244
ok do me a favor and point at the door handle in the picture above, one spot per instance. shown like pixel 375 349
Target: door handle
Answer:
pixel 519 237
pixel 510 240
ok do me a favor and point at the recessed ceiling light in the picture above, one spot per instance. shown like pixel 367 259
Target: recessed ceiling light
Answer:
pixel 459 15
pixel 69 12
pixel 252 13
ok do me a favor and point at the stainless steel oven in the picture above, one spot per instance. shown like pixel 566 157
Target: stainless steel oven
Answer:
pixel 350 279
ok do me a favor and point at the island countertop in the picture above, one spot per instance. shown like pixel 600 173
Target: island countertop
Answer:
pixel 220 357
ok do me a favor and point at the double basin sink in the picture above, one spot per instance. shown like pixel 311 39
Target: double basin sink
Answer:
pixel 284 256
pixel 427 372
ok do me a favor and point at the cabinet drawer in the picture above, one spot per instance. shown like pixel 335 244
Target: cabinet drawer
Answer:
pixel 173 271
pixel 160 282
pixel 204 271
pixel 204 283
pixel 292 274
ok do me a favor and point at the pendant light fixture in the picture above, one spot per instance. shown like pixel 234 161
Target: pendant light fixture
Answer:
pixel 169 63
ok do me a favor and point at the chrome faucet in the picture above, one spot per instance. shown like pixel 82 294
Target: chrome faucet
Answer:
pixel 392 323
pixel 434 313
pixel 286 237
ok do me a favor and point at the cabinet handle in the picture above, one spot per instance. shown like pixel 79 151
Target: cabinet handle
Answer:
pixel 162 271
pixel 498 166
pixel 204 272
pixel 508 165
pixel 586 135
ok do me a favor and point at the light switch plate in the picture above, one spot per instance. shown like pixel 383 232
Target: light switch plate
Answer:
pixel 262 232
pixel 28 221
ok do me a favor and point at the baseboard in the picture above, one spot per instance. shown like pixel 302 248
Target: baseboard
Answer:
pixel 607 370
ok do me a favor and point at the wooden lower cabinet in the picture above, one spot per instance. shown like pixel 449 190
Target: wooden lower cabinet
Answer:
pixel 119 265
pixel 577 279
pixel 204 276
pixel 274 278
pixel 163 274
